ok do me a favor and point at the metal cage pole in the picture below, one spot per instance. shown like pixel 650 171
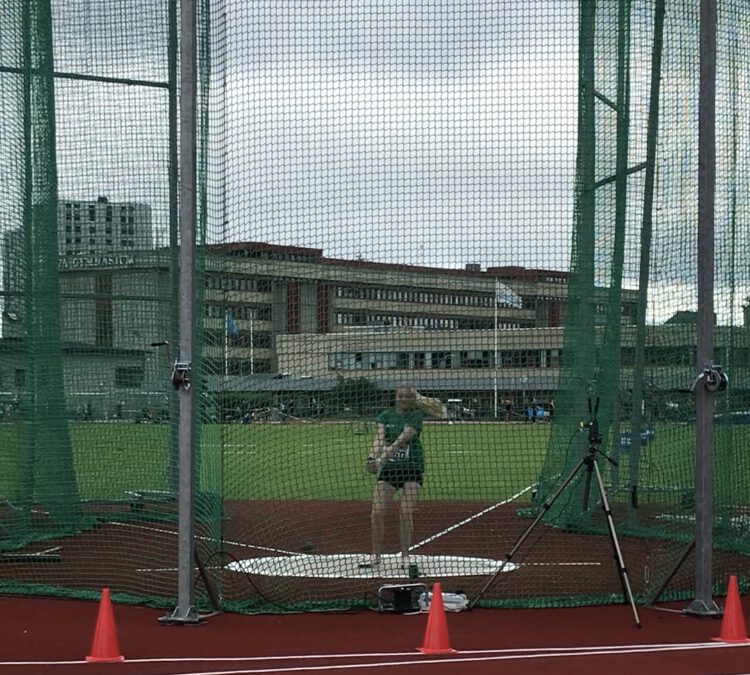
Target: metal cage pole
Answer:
pixel 185 611
pixel 703 603
pixel 646 235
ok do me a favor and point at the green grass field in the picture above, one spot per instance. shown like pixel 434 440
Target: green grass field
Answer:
pixel 477 461
pixel 326 461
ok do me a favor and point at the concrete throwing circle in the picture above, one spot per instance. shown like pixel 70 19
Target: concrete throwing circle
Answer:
pixel 346 566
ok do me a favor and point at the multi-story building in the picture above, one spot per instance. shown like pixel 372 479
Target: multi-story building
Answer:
pixel 288 321
pixel 481 335
pixel 103 227
pixel 12 282
pixel 89 234
pixel 273 291
pixel 101 344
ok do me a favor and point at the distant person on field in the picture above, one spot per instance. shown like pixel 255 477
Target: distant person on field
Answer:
pixel 397 459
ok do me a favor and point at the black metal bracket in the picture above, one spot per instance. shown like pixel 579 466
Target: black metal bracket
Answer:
pixel 181 374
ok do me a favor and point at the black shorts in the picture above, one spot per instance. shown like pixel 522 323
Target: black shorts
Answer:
pixel 397 476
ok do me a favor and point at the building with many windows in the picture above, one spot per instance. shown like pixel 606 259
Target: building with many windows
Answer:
pixel 276 291
pixel 290 322
pixel 103 227
pixel 302 321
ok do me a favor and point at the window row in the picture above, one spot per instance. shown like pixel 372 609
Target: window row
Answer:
pixel 239 313
pixel 422 297
pixel 108 217
pixel 237 283
pixel 427 322
pixel 244 339
pixel 77 248
pixel 238 366
pixel 264 254
pixel 444 360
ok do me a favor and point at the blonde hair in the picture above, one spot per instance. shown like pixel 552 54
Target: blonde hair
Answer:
pixel 430 406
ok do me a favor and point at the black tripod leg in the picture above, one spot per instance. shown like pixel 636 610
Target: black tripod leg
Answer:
pixel 545 507
pixel 616 546
pixel 587 484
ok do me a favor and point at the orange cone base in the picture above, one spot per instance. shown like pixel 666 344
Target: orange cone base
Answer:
pixel 446 650
pixel 436 640
pixel 105 648
pixel 104 659
pixel 733 624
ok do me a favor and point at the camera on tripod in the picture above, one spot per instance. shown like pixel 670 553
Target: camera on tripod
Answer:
pixel 595 438
pixel 588 463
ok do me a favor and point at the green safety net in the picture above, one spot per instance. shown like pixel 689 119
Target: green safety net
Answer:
pixel 636 227
pixel 493 203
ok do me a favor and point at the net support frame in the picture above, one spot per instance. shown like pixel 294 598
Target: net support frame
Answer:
pixel 185 612
pixel 703 604
pixel 637 420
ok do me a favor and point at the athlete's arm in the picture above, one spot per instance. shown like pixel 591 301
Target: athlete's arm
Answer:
pixel 401 442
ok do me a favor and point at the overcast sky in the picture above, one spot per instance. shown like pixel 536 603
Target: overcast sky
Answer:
pixel 430 132
pixel 423 132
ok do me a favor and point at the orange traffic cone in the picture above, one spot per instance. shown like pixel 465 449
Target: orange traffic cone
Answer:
pixel 105 648
pixel 436 640
pixel 733 621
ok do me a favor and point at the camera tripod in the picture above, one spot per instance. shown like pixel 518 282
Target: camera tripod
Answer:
pixel 589 463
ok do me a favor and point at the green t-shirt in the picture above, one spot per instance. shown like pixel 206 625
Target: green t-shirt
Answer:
pixel 412 456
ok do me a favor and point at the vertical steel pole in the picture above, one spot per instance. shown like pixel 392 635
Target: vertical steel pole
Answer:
pixel 585 204
pixel 703 603
pixel 185 611
pixel 173 238
pixel 645 256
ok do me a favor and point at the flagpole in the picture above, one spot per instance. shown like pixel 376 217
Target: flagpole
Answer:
pixel 226 342
pixel 252 342
pixel 497 292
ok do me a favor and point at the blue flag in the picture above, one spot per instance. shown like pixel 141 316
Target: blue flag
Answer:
pixel 506 297
pixel 233 329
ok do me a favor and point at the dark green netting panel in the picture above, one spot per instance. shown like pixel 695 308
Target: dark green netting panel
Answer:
pixel 38 467
pixel 636 228
pixel 88 426
pixel 491 202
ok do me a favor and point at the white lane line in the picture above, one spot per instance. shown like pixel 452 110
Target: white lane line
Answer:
pixel 447 660
pixel 520 652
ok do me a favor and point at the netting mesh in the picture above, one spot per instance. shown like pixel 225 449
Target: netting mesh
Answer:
pixel 492 202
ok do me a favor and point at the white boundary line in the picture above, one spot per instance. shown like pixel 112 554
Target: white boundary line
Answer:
pixel 414 547
pixel 160 530
pixel 418 658
pixel 466 521
pixel 435 536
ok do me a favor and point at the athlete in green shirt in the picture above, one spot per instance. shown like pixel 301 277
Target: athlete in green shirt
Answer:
pixel 397 458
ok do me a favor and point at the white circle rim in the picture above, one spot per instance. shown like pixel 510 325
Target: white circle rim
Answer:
pixel 347 566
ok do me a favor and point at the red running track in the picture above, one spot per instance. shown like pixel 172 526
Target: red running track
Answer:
pixel 601 640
